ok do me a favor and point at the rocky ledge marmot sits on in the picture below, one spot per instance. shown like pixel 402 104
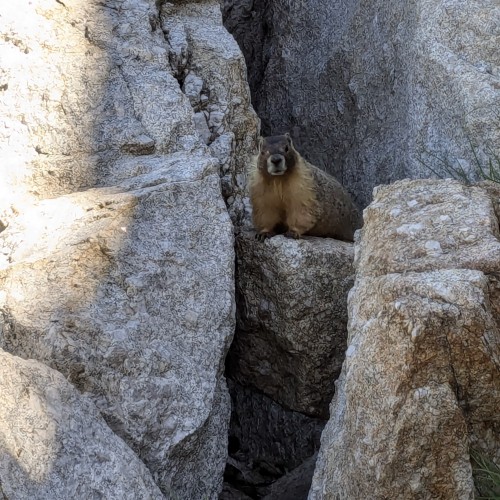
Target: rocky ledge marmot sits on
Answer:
pixel 291 196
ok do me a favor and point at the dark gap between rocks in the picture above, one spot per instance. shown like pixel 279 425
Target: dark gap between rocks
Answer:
pixel 281 383
pixel 268 444
pixel 287 352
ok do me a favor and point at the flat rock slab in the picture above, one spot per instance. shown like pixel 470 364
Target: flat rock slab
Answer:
pixel 291 330
pixel 55 444
pixel 428 224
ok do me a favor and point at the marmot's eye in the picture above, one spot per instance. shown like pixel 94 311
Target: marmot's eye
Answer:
pixel 287 149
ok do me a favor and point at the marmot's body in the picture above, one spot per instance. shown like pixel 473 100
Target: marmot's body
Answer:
pixel 290 195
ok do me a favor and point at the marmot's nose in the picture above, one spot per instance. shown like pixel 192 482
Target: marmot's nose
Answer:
pixel 276 159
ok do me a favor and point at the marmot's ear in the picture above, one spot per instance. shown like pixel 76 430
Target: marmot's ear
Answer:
pixel 288 138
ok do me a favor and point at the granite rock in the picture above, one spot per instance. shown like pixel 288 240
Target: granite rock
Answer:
pixel 420 386
pixel 291 327
pixel 55 444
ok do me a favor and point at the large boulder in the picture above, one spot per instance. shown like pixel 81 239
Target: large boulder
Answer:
pixel 420 385
pixel 116 248
pixel 129 293
pixel 291 328
pixel 374 91
pixel 55 444
pixel 288 350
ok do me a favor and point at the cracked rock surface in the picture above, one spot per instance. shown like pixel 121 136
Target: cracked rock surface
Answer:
pixel 133 302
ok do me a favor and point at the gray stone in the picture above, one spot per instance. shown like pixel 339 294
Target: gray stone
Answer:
pixel 267 443
pixel 420 368
pixel 201 125
pixel 142 145
pixel 420 385
pixel 192 87
pixel 427 225
pixel 98 79
pixel 291 331
pixel 85 79
pixel 230 493
pixel 372 90
pixel 215 57
pixel 55 444
pixel 215 121
pixel 493 189
pixel 133 301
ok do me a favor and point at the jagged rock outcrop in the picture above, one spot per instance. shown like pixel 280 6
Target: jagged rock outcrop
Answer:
pixel 55 444
pixel 371 89
pixel 116 248
pixel 88 88
pixel 211 69
pixel 428 225
pixel 421 382
pixel 291 327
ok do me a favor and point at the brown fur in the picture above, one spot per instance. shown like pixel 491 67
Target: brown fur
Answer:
pixel 304 200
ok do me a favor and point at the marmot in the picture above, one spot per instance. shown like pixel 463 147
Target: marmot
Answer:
pixel 291 196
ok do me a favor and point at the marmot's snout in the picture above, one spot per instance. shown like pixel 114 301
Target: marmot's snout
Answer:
pixel 276 164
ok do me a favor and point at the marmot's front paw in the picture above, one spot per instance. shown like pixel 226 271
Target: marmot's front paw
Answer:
pixel 264 235
pixel 292 234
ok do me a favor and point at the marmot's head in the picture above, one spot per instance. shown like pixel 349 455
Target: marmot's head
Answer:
pixel 277 156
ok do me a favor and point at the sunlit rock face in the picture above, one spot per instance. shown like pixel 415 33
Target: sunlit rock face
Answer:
pixel 81 86
pixel 133 303
pixel 116 244
pixel 373 90
pixel 420 385
pixel 55 444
